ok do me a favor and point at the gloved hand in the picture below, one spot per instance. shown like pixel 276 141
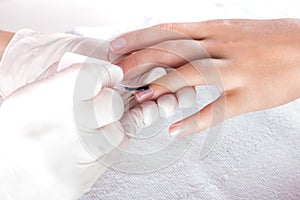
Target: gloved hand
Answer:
pixel 32 56
pixel 55 143
pixel 55 162
pixel 138 116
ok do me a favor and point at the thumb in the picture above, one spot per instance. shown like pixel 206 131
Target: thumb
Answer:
pixel 92 74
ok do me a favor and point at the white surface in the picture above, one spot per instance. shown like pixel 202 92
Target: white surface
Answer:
pixel 257 157
pixel 53 16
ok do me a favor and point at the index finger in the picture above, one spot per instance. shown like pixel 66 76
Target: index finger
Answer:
pixel 150 36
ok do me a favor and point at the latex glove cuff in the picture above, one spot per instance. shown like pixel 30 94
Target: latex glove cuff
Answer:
pixel 32 56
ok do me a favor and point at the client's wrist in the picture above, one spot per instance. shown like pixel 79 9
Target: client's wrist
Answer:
pixel 5 38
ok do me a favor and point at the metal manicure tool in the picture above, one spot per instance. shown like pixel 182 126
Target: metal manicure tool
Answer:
pixel 130 88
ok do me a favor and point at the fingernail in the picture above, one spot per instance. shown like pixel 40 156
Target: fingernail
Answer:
pixel 144 95
pixel 175 130
pixel 117 44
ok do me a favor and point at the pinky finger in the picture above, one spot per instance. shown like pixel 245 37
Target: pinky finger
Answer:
pixel 212 114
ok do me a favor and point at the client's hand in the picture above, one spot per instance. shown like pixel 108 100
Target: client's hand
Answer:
pixel 254 64
pixel 54 142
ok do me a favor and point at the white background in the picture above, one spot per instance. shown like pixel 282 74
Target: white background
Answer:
pixel 64 15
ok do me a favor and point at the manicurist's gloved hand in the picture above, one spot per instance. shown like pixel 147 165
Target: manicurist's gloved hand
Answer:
pixel 32 56
pixel 138 116
pixel 61 121
pixel 59 134
pixel 255 64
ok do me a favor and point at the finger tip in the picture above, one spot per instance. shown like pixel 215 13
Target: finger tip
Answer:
pixel 137 98
pixel 144 95
pixel 117 45
pixel 175 130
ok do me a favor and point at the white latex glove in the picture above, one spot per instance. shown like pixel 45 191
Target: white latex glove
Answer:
pixel 49 142
pixel 31 56
pixel 43 156
pixel 138 116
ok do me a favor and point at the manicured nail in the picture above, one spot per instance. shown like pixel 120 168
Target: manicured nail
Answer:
pixel 175 130
pixel 117 44
pixel 144 95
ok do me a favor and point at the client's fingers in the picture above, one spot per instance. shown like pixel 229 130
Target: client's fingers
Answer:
pixel 214 113
pixel 150 36
pixel 201 72
pixel 148 112
pixel 170 53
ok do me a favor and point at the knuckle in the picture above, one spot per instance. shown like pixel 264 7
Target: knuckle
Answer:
pixel 140 58
pixel 136 36
pixel 219 111
pixel 234 105
pixel 166 26
pixel 134 60
pixel 221 22
pixel 173 46
pixel 214 22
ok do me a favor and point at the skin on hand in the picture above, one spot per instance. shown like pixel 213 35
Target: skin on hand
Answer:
pixel 5 38
pixel 255 64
